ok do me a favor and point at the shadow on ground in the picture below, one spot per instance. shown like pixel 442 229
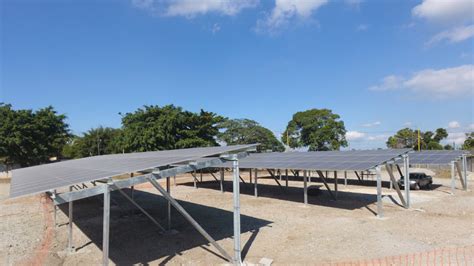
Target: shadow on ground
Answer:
pixel 134 239
pixel 345 199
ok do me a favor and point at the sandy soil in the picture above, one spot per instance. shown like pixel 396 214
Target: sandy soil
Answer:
pixel 276 225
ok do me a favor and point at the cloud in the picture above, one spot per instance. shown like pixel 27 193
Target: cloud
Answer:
pixel 444 10
pixel 286 10
pixel 373 124
pixel 439 83
pixel 391 82
pixel 362 27
pixel 407 124
pixel 457 137
pixel 192 8
pixel 454 124
pixel 354 135
pixel 354 3
pixel 215 28
pixel 454 35
pixel 383 137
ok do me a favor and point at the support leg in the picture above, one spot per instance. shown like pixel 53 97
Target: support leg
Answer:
pixel 222 179
pixel 379 193
pixel 105 228
pixel 406 163
pixel 321 175
pixel 194 179
pixel 389 168
pixel 168 213
pixel 286 178
pixel 464 170
pixel 305 188
pixel 279 173
pixel 345 178
pixel 70 247
pixel 256 183
pixel 335 183
pixel 236 194
pixel 453 178
pixel 250 175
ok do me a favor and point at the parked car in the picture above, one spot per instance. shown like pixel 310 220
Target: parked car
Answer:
pixel 417 181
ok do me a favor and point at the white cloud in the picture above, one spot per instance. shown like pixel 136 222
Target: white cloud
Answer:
pixel 444 10
pixel 215 28
pixel 354 135
pixel 354 3
pixel 454 124
pixel 408 124
pixel 381 137
pixel 362 27
pixel 373 124
pixel 457 137
pixel 440 83
pixel 391 82
pixel 192 8
pixel 286 10
pixel 455 35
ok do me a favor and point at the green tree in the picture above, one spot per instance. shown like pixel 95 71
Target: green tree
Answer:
pixel 246 131
pixel 469 142
pixel 168 127
pixel 99 141
pixel 318 129
pixel 30 137
pixel 408 138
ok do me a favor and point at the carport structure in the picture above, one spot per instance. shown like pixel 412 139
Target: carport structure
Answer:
pixel 456 159
pixel 73 180
pixel 328 161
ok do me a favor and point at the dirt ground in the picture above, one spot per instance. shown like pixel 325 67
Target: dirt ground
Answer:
pixel 276 225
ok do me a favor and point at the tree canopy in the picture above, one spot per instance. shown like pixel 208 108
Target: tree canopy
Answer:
pixel 318 129
pixel 168 127
pixel 469 142
pixel 30 137
pixel 96 141
pixel 408 138
pixel 246 131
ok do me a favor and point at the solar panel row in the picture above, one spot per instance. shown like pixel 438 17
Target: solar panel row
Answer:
pixel 37 179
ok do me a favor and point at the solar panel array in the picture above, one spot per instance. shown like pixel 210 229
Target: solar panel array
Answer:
pixel 324 160
pixel 42 178
pixel 435 157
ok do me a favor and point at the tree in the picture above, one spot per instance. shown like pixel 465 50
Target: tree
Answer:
pixel 31 137
pixel 318 129
pixel 99 141
pixel 168 127
pixel 408 138
pixel 246 131
pixel 469 142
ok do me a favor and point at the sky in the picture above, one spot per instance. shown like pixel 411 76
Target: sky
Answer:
pixel 380 65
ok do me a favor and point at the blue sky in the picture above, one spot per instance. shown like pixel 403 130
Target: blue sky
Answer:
pixel 381 65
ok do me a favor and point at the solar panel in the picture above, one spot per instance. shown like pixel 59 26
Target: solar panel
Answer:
pixel 435 157
pixel 324 160
pixel 42 178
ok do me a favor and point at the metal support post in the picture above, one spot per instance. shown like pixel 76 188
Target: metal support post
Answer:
pixel 168 213
pixel 406 165
pixel 200 176
pixel 335 183
pixel 279 173
pixel 389 168
pixel 222 179
pixel 106 225
pixel 453 178
pixel 194 179
pixel 464 170
pixel 256 182
pixel 305 188
pixel 309 176
pixel 236 194
pixel 70 247
pixel 286 177
pixel 250 175
pixel 345 178
pixel 379 193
